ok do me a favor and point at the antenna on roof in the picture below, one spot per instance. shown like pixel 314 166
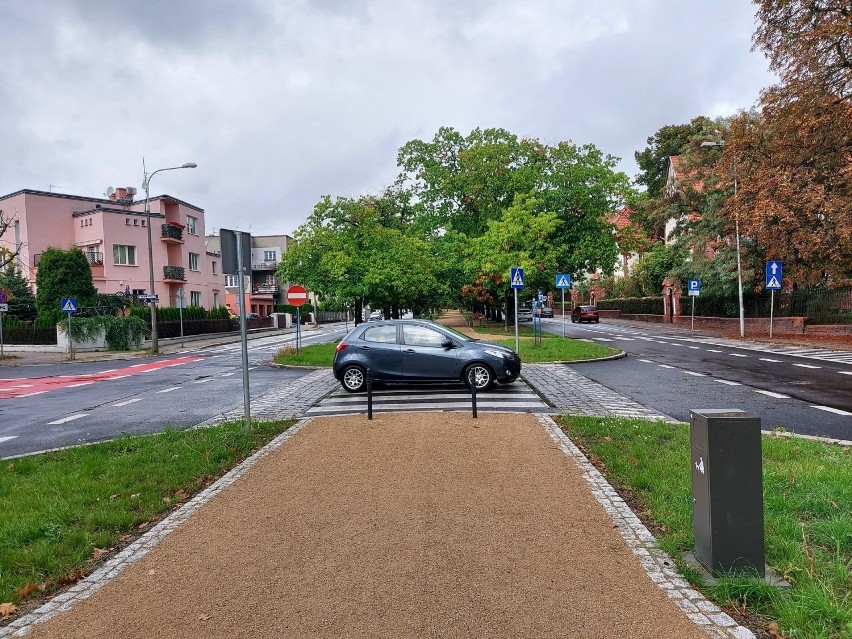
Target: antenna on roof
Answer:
pixel 50 187
pixel 110 191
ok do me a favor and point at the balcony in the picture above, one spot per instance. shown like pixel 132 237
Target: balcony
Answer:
pixel 93 258
pixel 171 233
pixel 268 265
pixel 266 289
pixel 174 274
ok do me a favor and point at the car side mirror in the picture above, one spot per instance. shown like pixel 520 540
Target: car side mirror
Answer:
pixel 447 343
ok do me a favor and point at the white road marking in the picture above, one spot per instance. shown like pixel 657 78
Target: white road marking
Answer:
pixel 771 394
pixel 226 374
pixel 136 365
pixel 831 410
pixel 117 377
pixel 664 366
pixel 768 359
pixel 695 374
pixel 7 438
pixel 79 384
pixel 712 350
pixel 695 347
pixel 845 372
pixel 738 355
pixel 729 383
pixel 203 381
pixel 31 394
pixel 807 366
pixel 69 419
pixel 602 339
pixel 169 390
pixel 647 361
pixel 129 401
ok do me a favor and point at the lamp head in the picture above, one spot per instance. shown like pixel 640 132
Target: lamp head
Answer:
pixel 189 165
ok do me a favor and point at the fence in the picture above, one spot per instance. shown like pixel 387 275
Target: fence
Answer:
pixel 198 327
pixel 29 335
pixel 820 306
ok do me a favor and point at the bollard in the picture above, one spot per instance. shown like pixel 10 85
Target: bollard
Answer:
pixel 369 394
pixel 727 491
pixel 471 379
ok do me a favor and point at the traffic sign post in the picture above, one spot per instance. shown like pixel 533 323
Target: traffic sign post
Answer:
pixel 563 281
pixel 694 291
pixel 296 296
pixel 516 279
pixel 242 268
pixel 3 309
pixel 773 283
pixel 68 305
pixel 180 296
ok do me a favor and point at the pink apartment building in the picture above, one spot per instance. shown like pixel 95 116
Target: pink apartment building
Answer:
pixel 113 234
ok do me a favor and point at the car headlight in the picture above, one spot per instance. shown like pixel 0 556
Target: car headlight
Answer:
pixel 496 353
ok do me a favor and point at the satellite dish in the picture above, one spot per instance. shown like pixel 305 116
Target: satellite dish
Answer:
pixel 110 191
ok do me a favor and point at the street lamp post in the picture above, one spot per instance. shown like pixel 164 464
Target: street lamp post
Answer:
pixel 146 184
pixel 709 143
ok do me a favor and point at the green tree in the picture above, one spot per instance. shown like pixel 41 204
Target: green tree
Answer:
pixel 21 299
pixel 62 274
pixel 655 265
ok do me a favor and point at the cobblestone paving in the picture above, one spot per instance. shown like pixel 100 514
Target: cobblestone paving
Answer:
pixel 291 399
pixel 657 564
pixel 575 394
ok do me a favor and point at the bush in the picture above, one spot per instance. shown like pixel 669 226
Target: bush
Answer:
pixel 634 305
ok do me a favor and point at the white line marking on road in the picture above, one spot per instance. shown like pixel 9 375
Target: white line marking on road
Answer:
pixel 109 370
pixel 31 394
pixel 117 377
pixel 69 419
pixel 22 385
pixel 695 347
pixel 771 394
pixel 169 390
pixel 136 365
pixel 7 438
pixel 664 366
pixel 79 384
pixel 695 374
pixel 713 350
pixel 659 342
pixel 602 339
pixel 831 410
pixel 203 381
pixel 738 355
pixel 226 374
pixel 725 381
pixel 129 401
pixel 806 366
pixel 845 372
pixel 768 359
pixel 647 361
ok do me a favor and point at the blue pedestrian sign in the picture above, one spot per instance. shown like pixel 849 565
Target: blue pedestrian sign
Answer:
pixel 773 276
pixel 563 280
pixel 68 305
pixel 516 277
pixel 695 287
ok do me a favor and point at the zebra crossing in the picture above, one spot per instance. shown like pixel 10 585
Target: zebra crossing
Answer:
pixel 511 398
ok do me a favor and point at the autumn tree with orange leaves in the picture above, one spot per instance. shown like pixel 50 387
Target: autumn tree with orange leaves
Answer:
pixel 793 159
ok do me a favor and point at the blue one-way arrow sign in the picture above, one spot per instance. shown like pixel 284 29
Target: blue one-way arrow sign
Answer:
pixel 773 276
pixel 516 277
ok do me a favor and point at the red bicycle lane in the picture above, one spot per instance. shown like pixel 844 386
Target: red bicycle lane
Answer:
pixel 27 387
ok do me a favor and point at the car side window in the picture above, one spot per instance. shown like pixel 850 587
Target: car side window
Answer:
pixel 384 334
pixel 422 336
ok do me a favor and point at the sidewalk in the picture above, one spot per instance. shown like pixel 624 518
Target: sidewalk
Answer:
pixel 420 525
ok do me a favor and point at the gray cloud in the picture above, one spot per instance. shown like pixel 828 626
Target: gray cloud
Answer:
pixel 282 102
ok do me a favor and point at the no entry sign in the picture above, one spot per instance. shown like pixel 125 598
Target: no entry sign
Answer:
pixel 297 295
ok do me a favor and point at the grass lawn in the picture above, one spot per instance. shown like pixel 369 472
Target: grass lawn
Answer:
pixel 807 516
pixel 64 510
pixel 311 355
pixel 551 350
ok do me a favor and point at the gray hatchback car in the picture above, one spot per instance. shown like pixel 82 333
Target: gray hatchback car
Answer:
pixel 420 351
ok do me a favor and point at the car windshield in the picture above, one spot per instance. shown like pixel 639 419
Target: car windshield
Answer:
pixel 589 308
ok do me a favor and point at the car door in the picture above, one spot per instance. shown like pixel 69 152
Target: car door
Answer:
pixel 379 351
pixel 424 356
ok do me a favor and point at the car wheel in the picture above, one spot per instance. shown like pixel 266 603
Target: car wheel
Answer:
pixel 482 376
pixel 597 321
pixel 354 379
pixel 573 321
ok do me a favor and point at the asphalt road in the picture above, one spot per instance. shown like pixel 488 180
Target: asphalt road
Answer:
pixel 808 391
pixel 94 401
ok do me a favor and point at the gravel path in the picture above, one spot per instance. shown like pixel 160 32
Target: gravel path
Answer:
pixel 427 525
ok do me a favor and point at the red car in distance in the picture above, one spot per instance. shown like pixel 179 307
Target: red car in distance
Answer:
pixel 585 314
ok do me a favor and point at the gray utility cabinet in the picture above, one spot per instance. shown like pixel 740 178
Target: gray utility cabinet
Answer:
pixel 727 491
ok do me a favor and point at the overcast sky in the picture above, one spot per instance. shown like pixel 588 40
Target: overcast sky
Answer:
pixel 282 101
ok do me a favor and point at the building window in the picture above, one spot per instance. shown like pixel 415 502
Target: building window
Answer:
pixel 191 225
pixel 231 281
pixel 195 298
pixel 214 267
pixel 193 261
pixel 124 255
pixel 143 222
pixel 135 222
pixel 216 300
pixel 269 256
pixel 138 291
pixel 127 221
